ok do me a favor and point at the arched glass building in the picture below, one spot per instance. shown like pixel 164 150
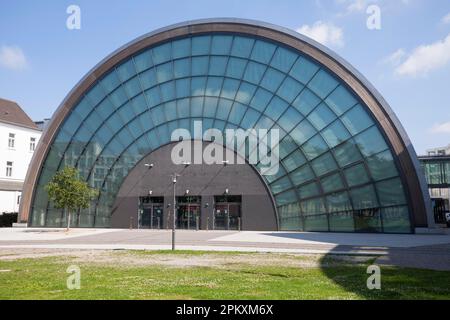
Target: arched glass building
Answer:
pixel 345 162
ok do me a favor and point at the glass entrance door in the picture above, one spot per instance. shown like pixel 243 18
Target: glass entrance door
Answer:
pixel 227 213
pixel 151 212
pixel 188 213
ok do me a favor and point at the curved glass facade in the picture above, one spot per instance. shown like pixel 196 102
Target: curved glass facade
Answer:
pixel 337 172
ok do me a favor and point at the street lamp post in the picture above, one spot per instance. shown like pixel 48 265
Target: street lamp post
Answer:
pixel 174 182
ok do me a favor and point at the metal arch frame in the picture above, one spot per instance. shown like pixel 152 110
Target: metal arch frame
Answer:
pixel 401 146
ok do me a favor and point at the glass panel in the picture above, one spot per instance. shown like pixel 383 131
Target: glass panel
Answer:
pixel 294 161
pixel 303 70
pixel 283 59
pixel 209 109
pixel 126 70
pixel 229 89
pixel 391 192
pixel 254 72
pixel 272 80
pixel 309 190
pixel 396 220
pixel 181 48
pixel 290 217
pixel 322 84
pixel 245 93
pixel 182 68
pixel 221 45
pixel 250 118
pixel 183 88
pixel 306 102
pixel 290 119
pixel 214 86
pixel 223 109
pixel 164 72
pixel 148 79
pixel 314 147
pixel 339 202
pixel 367 220
pixel 316 223
pixel 168 91
pixel 356 175
pixel 200 66
pixel 162 53
pixel 143 61
pixel 342 222
pixel 201 45
pixel 303 132
pixel 133 87
pixel 332 183
pixel 347 153
pixel 324 164
pixel 280 185
pixel 198 86
pixel 289 89
pixel 261 99
pixel 321 116
pixel 382 166
pixel 302 175
pixel 236 67
pixel 110 81
pixel 217 66
pixel 242 47
pixel 357 120
pixel 335 134
pixel 364 198
pixel 237 112
pixel 340 100
pixel 285 198
pixel 275 108
pixel 313 207
pixel 371 142
pixel 263 51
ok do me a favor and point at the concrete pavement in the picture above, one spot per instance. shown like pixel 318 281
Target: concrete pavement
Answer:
pixel 422 251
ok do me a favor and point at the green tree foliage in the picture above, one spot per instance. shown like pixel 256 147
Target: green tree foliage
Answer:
pixel 68 191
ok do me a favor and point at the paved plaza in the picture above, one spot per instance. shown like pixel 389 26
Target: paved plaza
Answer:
pixel 421 251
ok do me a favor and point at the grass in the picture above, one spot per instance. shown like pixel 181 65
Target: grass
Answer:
pixel 45 278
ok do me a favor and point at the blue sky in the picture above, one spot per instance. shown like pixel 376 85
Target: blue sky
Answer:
pixel 408 60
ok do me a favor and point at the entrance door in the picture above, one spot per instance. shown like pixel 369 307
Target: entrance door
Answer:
pixel 227 213
pixel 188 217
pixel 151 212
pixel 188 213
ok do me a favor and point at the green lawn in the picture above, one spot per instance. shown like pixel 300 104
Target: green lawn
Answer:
pixel 324 278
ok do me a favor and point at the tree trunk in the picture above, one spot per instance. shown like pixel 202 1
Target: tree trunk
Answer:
pixel 68 221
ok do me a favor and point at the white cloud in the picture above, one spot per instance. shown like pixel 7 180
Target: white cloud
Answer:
pixel 441 128
pixel 324 32
pixel 12 57
pixel 426 58
pixel 395 58
pixel 360 6
pixel 446 19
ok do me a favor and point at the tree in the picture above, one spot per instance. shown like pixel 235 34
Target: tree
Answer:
pixel 69 192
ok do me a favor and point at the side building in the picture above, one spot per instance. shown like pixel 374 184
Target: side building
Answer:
pixel 436 166
pixel 19 136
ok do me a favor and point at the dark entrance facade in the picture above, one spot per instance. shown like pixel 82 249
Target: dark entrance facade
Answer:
pixel 151 212
pixel 227 212
pixel 189 213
